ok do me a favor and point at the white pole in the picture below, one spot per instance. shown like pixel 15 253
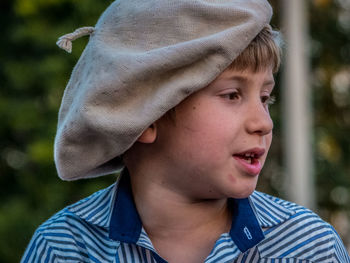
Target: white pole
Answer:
pixel 297 106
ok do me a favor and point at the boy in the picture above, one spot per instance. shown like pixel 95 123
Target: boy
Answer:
pixel 178 93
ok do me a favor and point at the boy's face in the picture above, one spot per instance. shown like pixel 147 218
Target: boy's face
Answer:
pixel 219 140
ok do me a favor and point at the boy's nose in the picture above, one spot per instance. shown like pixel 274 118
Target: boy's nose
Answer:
pixel 259 120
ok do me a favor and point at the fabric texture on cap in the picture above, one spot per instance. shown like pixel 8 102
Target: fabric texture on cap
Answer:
pixel 143 58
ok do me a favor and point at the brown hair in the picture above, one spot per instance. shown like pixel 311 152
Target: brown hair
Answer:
pixel 264 51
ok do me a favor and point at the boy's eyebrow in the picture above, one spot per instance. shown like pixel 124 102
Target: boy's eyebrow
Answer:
pixel 239 79
pixel 269 82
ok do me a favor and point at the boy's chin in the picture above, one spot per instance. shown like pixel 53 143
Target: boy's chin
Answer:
pixel 242 196
pixel 243 193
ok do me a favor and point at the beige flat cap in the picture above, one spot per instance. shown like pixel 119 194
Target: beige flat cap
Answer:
pixel 142 59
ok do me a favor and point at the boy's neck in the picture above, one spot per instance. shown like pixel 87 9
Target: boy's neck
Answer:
pixel 162 210
pixel 169 217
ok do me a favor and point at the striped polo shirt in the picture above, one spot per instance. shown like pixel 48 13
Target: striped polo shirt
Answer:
pixel 106 227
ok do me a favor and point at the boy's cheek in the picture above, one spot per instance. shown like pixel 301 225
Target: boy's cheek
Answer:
pixel 268 140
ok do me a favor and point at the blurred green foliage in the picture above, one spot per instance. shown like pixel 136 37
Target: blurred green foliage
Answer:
pixel 34 72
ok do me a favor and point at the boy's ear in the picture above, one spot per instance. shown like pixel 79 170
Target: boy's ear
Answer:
pixel 149 135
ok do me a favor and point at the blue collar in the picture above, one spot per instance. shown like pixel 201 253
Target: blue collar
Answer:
pixel 125 224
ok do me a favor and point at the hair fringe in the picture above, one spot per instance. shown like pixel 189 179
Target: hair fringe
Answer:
pixel 264 51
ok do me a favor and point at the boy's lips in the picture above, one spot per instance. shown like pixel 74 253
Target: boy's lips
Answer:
pixel 249 160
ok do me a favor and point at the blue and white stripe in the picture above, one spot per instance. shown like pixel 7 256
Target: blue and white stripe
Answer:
pixel 82 233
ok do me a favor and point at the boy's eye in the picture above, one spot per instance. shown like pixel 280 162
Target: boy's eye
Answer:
pixel 231 96
pixel 268 100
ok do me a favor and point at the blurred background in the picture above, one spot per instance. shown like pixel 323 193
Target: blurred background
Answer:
pixel 34 72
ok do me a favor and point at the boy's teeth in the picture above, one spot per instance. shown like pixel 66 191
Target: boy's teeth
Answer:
pixel 249 160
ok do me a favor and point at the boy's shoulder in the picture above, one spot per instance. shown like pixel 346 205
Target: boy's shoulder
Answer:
pixel 274 212
pixel 94 210
pixel 295 232
pixel 78 232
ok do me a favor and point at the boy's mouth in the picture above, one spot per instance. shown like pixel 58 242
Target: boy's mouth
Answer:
pixel 249 160
pixel 248 157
